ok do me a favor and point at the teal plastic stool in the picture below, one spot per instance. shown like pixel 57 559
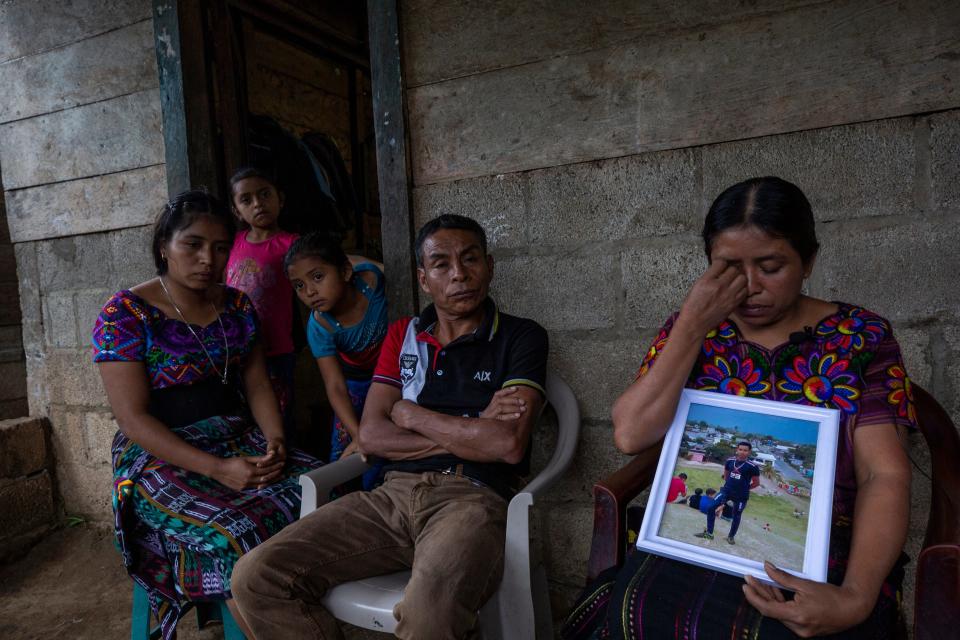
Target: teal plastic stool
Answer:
pixel 206 612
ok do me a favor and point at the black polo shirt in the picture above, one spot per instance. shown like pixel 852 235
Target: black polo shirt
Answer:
pixel 461 378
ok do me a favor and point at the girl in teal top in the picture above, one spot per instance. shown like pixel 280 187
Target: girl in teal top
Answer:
pixel 348 321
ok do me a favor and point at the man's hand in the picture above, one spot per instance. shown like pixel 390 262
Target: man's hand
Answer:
pixel 506 404
pixel 816 609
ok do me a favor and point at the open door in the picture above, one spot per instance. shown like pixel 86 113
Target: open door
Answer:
pixel 288 88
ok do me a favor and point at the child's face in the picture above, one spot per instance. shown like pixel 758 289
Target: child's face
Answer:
pixel 257 202
pixel 319 285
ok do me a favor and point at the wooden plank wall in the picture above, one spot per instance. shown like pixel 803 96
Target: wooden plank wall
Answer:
pixel 530 85
pixel 83 173
pixel 82 112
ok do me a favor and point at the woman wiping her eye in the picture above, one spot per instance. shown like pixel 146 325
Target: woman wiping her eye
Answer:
pixel 745 327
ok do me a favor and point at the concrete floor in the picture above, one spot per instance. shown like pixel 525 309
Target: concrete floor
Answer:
pixel 73 585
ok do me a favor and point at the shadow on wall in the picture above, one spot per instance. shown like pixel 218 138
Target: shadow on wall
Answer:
pixel 13 371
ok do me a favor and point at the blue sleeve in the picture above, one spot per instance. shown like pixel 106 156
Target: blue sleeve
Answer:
pixel 707 503
pixel 372 268
pixel 320 340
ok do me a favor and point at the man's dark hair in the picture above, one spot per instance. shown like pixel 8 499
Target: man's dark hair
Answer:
pixel 698 491
pixel 683 475
pixel 746 444
pixel 448 221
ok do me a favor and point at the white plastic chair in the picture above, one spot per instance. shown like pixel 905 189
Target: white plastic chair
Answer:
pixel 520 608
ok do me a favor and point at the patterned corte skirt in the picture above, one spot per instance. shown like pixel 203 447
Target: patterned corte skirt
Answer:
pixel 655 598
pixel 179 532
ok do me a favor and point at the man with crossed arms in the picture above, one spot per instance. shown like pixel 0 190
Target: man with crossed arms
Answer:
pixel 454 397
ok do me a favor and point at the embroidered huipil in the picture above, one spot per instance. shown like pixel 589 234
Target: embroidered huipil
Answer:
pixel 850 362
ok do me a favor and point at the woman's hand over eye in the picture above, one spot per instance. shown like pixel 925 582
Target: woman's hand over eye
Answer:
pixel 713 297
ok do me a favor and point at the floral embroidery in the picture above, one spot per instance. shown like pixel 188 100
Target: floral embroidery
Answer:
pixel 733 377
pixel 719 340
pixel 852 330
pixel 821 380
pixel 901 393
pixel 652 353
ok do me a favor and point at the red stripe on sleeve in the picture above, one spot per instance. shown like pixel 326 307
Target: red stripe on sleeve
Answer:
pixel 388 364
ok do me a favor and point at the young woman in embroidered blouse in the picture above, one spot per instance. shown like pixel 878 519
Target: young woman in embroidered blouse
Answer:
pixel 197 482
pixel 746 327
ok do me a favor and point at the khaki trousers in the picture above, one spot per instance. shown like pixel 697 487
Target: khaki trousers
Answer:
pixel 449 531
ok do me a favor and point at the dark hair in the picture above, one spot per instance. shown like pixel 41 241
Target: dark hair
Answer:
pixel 448 221
pixel 181 212
pixel 698 491
pixel 251 172
pixel 323 246
pixel 683 475
pixel 746 444
pixel 772 204
pixel 710 492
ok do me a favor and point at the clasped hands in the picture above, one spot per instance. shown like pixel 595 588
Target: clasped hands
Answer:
pixel 253 472
pixel 816 608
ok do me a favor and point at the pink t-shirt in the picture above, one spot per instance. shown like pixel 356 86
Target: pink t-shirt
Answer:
pixel 256 268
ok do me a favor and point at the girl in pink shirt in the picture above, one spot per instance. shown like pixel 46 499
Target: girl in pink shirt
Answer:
pixel 256 268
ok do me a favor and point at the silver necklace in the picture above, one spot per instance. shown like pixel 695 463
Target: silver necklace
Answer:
pixel 223 332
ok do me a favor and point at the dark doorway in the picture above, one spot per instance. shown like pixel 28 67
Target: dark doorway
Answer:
pixel 277 85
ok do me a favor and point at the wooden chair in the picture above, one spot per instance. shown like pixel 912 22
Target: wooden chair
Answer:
pixel 520 608
pixel 937 593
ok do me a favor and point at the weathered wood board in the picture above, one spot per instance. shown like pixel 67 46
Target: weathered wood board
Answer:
pixel 103 137
pixel 392 160
pixel 89 205
pixel 115 63
pixel 309 68
pixel 811 67
pixel 446 39
pixel 30 26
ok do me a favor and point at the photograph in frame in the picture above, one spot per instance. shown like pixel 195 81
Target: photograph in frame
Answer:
pixel 743 480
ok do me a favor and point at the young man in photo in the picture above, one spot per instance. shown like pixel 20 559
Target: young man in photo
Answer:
pixel 740 476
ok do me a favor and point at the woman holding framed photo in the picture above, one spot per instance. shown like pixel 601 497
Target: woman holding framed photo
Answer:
pixel 746 328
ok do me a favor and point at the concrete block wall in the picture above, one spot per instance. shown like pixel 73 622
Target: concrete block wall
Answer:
pixel 27 505
pixel 594 209
pixel 603 275
pixel 81 163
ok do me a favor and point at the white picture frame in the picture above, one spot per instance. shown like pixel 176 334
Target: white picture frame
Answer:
pixel 789 431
